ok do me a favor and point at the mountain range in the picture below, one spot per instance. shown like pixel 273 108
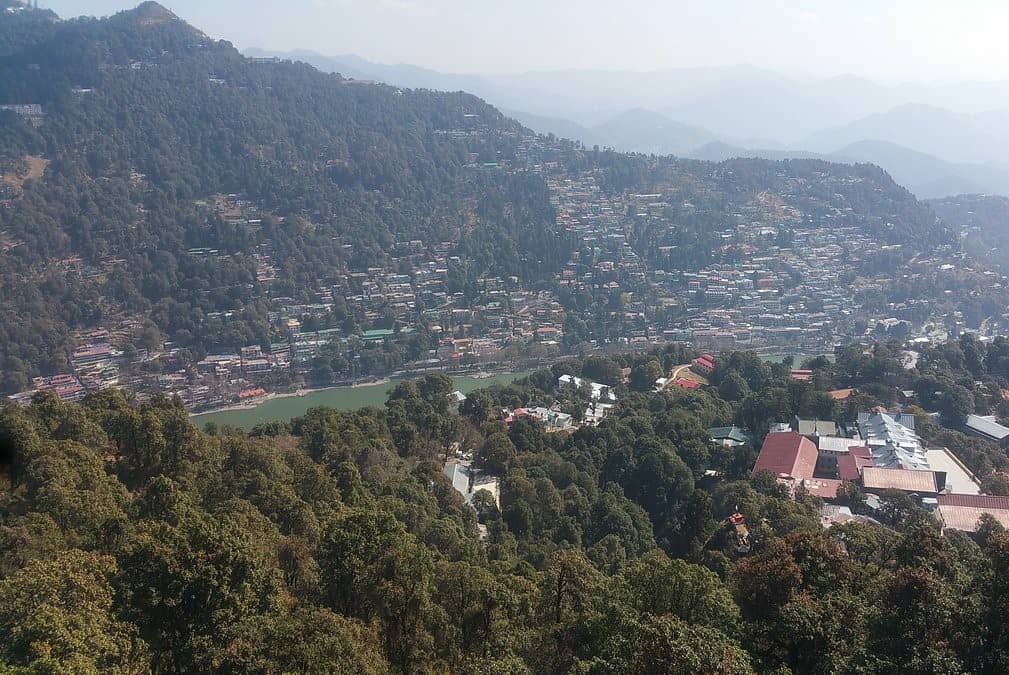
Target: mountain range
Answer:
pixel 937 140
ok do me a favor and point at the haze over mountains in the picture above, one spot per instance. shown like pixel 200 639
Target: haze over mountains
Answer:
pixel 936 139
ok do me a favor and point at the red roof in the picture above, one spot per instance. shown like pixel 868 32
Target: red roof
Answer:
pixel 687 383
pixel 787 454
pixel 975 501
pixel 705 361
pixel 849 467
pixel 824 488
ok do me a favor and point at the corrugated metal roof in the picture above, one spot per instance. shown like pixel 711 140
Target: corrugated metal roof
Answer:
pixel 849 467
pixel 965 518
pixel 836 443
pixel 975 501
pixel 987 427
pixel 874 477
pixel 731 433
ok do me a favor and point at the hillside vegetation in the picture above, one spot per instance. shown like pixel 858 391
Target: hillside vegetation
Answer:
pixel 130 542
pixel 145 118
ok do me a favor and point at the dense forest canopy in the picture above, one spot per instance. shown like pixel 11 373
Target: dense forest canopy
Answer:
pixel 132 542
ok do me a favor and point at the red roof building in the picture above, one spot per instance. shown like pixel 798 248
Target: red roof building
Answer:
pixel 705 361
pixel 975 501
pixel 861 451
pixel 824 488
pixel 849 467
pixel 787 454
pixel 964 512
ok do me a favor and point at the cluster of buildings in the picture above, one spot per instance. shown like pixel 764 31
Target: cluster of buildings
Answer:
pixel 32 112
pixel 883 453
pixel 599 400
pixel 783 270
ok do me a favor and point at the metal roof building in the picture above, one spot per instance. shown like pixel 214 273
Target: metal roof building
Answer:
pixel 963 512
pixel 988 429
pixel 905 480
pixel 892 442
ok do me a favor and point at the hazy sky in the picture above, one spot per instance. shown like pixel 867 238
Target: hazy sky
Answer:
pixel 883 39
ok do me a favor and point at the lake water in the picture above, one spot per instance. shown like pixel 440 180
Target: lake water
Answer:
pixel 342 398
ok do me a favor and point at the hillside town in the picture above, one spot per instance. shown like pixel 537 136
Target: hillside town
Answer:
pixel 779 281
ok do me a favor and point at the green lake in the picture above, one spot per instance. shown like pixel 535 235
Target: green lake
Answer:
pixel 342 398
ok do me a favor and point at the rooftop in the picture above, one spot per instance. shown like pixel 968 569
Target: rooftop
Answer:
pixel 987 427
pixel 879 478
pixel 893 442
pixel 729 434
pixel 967 518
pixel 975 501
pixel 850 466
pixel 787 454
pixel 817 428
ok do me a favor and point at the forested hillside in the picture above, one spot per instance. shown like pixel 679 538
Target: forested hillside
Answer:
pixel 145 117
pixel 792 194
pixel 130 542
pixel 126 144
pixel 984 223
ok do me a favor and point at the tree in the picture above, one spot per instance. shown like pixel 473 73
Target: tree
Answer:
pixel 997 620
pixel 57 615
pixel 603 370
pixel 996 484
pixel 659 585
pixel 766 580
pixel 666 644
pixel 955 405
pixel 644 375
pixel 310 640
pixel 567 586
pixel 485 506
pixel 496 453
pixel 478 407
pixel 188 585
pixel 733 387
pixel 896 506
pixel 850 495
pixel 373 570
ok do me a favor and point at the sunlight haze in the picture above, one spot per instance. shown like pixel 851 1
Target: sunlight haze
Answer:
pixel 883 41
